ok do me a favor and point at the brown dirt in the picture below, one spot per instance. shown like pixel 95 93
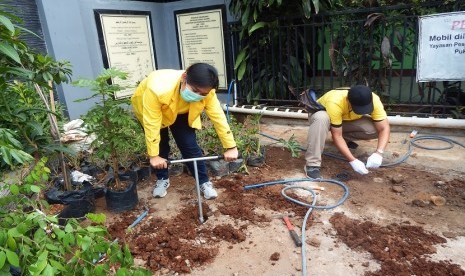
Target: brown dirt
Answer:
pixel 400 237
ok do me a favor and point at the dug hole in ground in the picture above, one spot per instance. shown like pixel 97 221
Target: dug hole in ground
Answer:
pixel 401 220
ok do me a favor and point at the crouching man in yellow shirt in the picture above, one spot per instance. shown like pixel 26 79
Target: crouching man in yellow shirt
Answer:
pixel 350 114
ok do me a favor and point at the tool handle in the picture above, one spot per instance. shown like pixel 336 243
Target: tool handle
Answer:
pixel 296 238
pixel 288 224
pixel 215 157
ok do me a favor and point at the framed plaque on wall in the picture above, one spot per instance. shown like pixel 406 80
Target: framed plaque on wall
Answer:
pixel 126 43
pixel 201 38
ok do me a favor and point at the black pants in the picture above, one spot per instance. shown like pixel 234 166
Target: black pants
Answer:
pixel 186 140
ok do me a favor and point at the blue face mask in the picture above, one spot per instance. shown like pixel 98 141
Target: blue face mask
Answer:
pixel 190 96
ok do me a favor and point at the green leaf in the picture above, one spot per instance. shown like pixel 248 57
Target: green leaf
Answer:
pixel 22 228
pixel 49 271
pixel 68 239
pixel 245 16
pixel 68 228
pixel 9 51
pixel 35 189
pixel 14 233
pixel 20 156
pixel 307 8
pixel 241 71
pixel 38 266
pixel 52 247
pixel 20 72
pixel 122 272
pixel 93 229
pixel 11 243
pixel 14 189
pixel 97 218
pixel 101 269
pixel 256 26
pixel 316 4
pixel 43 255
pixel 57 265
pixel 2 259
pixel 5 153
pixel 29 32
pixel 13 259
pixel 7 23
pixel 85 242
pixel 240 58
pixel 3 237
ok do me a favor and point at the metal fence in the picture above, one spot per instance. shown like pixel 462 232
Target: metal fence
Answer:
pixel 377 47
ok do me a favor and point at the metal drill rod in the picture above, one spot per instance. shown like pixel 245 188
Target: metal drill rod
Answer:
pixel 196 174
pixel 199 198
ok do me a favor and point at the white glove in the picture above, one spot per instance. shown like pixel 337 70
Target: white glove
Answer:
pixel 375 160
pixel 358 166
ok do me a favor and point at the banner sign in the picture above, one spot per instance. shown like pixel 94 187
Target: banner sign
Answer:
pixel 201 39
pixel 126 43
pixel 441 47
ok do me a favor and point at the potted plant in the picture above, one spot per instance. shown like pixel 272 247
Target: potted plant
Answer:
pixel 116 129
pixel 252 151
pixel 32 241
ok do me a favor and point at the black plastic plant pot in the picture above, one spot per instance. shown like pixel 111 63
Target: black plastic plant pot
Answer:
pixel 143 173
pixel 176 169
pixel 120 201
pixel 257 160
pixel 77 208
pixel 234 166
pixel 222 168
pixel 218 167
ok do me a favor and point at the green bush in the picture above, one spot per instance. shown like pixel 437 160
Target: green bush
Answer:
pixel 25 110
pixel 34 243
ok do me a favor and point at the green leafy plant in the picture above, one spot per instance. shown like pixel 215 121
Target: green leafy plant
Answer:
pixel 246 135
pixel 117 130
pixel 249 137
pixel 261 54
pixel 10 149
pixel 26 107
pixel 32 242
pixel 292 145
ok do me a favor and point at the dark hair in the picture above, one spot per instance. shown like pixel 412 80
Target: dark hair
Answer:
pixel 202 75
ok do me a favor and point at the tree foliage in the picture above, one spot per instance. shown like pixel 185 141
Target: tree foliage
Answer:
pixel 26 112
pixel 260 32
pixel 285 43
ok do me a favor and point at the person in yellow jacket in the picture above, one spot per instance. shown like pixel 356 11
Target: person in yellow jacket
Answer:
pixel 173 100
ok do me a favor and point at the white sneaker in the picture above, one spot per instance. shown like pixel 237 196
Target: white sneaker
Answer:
pixel 208 190
pixel 160 188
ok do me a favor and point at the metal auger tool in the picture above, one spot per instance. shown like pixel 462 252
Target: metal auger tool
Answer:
pixel 196 174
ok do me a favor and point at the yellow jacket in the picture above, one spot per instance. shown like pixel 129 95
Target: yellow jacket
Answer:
pixel 155 104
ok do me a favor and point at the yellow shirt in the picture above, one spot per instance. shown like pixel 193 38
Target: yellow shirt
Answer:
pixel 338 107
pixel 157 102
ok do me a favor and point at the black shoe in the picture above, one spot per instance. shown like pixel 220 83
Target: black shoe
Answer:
pixel 312 172
pixel 351 145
